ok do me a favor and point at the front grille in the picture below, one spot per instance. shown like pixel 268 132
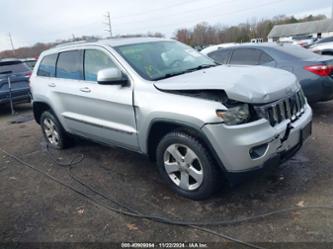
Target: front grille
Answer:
pixel 288 108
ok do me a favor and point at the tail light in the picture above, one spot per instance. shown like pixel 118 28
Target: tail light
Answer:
pixel 321 70
pixel 28 75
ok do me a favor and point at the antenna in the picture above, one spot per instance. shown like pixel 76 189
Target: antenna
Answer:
pixel 11 43
pixel 108 24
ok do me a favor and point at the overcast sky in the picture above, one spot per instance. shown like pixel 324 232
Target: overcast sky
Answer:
pixel 31 21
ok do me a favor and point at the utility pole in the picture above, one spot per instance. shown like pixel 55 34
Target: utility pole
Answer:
pixel 108 24
pixel 11 43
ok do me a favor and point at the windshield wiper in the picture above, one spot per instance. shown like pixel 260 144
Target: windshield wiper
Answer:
pixel 203 66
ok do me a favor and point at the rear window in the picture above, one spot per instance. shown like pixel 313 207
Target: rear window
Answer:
pixel 297 52
pixel 245 56
pixel 265 59
pixel 221 56
pixel 30 64
pixel 70 65
pixel 47 66
pixel 13 67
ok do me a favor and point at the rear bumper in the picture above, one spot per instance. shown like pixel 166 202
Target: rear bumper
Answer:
pixel 320 89
pixel 327 86
pixel 18 96
pixel 233 144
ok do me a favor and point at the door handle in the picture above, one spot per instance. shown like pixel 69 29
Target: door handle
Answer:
pixel 52 85
pixel 85 90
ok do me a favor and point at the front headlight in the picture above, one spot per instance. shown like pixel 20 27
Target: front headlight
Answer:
pixel 235 115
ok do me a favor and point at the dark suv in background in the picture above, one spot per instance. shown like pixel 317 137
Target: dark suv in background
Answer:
pixel 314 72
pixel 14 81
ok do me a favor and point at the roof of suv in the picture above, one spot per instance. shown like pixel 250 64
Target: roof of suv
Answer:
pixel 114 42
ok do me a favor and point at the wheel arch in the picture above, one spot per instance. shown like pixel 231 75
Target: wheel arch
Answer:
pixel 38 108
pixel 160 127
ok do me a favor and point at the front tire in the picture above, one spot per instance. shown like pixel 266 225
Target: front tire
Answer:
pixel 53 131
pixel 187 166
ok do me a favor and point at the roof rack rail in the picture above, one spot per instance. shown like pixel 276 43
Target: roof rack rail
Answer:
pixel 76 42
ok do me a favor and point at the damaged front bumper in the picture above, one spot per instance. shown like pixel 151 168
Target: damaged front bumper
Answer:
pixel 248 147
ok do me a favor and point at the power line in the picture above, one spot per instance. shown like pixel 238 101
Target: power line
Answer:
pixel 108 24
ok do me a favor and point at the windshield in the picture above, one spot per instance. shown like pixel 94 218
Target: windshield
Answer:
pixel 158 60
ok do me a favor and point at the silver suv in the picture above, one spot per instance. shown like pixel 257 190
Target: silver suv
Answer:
pixel 196 119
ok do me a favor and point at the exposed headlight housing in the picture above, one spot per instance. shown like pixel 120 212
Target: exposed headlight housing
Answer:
pixel 235 115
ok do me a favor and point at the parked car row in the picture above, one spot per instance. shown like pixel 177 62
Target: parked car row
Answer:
pixel 314 72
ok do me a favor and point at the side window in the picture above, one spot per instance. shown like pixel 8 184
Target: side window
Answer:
pixel 69 65
pixel 245 56
pixel 265 59
pixel 94 61
pixel 221 56
pixel 47 66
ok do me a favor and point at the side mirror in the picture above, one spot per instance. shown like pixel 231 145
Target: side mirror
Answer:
pixel 111 76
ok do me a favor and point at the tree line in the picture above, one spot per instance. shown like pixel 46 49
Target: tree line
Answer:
pixel 201 35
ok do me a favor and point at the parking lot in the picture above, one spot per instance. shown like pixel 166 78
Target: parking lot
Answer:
pixel 38 209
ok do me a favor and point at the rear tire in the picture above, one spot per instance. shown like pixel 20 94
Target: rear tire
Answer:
pixel 187 166
pixel 53 132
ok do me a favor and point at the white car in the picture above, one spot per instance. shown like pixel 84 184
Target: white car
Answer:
pixel 324 46
pixel 212 48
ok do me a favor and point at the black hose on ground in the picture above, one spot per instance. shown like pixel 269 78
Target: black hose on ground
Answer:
pixel 128 211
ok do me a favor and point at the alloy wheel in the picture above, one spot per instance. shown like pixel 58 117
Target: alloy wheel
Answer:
pixel 51 132
pixel 183 167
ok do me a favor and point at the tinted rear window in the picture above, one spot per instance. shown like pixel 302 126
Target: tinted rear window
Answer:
pixel 13 67
pixel 245 56
pixel 220 56
pixel 47 66
pixel 30 64
pixel 70 65
pixel 265 59
pixel 296 52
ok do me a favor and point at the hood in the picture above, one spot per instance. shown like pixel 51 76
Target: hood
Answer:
pixel 249 84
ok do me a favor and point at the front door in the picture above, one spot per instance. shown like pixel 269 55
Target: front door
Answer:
pixel 100 112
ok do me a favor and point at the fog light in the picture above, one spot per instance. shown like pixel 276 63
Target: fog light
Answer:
pixel 258 151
